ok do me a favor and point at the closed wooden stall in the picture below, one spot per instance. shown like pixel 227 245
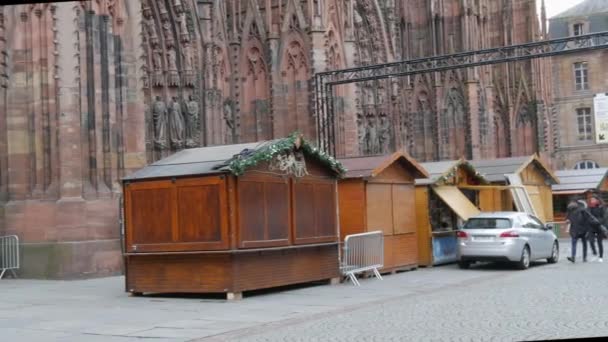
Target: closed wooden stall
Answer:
pixel 377 193
pixel 232 218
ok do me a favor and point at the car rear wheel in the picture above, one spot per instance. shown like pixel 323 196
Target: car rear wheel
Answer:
pixel 554 254
pixel 524 262
pixel 464 264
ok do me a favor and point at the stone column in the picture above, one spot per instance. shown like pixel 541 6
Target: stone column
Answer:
pixel 70 144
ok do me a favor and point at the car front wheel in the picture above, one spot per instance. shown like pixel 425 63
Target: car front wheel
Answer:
pixel 554 254
pixel 524 262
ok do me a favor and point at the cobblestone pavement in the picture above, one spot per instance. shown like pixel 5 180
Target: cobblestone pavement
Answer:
pixel 563 300
pixel 430 304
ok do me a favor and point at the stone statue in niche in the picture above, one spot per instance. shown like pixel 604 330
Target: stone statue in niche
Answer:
pixel 381 95
pixel 372 135
pixel 151 30
pixel 177 4
pixel 176 124
pixel 455 110
pixel 188 64
pixel 229 119
pixel 183 28
pixel 172 67
pixel 192 120
pixel 157 56
pixel 159 116
pixel 368 94
pixel 162 10
pixel 361 133
pixel 167 33
pixel 384 134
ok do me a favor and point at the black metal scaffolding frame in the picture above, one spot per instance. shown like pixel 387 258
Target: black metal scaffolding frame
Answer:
pixel 325 81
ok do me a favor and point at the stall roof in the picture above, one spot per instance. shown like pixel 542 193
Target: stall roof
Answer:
pixel 494 170
pixel 367 167
pixel 577 181
pixel 227 158
pixel 439 169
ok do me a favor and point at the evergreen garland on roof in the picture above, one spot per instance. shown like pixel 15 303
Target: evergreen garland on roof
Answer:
pixel 250 158
pixel 452 172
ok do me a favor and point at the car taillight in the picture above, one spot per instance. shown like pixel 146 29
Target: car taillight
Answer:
pixel 509 234
pixel 461 234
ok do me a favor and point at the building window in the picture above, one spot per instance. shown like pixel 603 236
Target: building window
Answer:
pixel 578 29
pixel 583 120
pixel 580 76
pixel 586 164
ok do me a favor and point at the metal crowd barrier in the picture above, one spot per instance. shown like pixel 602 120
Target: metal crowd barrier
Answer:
pixel 363 252
pixel 560 228
pixel 9 254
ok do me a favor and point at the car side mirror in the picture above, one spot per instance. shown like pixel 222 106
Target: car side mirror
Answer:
pixel 548 226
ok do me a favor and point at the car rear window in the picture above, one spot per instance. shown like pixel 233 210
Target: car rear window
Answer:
pixel 488 223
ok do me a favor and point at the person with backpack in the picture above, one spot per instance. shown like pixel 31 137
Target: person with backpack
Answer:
pixel 578 227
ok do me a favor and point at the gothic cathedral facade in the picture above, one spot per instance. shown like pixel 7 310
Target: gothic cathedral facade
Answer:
pixel 92 90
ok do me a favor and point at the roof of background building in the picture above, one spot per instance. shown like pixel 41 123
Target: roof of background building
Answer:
pixel 577 181
pixel 585 8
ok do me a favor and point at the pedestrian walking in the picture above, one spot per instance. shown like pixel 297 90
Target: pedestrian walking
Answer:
pixel 597 218
pixel 578 224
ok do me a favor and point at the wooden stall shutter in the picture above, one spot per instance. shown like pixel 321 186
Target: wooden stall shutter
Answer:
pixel 263 212
pixel 314 211
pixel 202 218
pixel 379 210
pixel 404 208
pixel 188 214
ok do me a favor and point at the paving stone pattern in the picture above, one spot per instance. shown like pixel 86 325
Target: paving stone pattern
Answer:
pixel 488 303
pixel 545 302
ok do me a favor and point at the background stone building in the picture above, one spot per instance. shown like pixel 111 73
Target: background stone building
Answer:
pixel 92 90
pixel 577 78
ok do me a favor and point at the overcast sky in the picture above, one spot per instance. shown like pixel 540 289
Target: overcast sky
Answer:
pixel 557 6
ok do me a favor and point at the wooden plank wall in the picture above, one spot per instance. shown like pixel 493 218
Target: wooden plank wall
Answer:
pixel 425 256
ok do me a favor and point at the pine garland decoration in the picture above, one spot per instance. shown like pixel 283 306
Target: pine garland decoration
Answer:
pixel 241 162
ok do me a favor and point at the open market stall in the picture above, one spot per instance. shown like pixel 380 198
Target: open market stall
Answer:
pixel 529 173
pixel 442 207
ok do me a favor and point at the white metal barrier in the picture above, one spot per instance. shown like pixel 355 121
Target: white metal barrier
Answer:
pixel 9 254
pixel 363 252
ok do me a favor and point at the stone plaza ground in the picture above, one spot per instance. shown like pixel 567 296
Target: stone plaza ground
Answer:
pixel 484 303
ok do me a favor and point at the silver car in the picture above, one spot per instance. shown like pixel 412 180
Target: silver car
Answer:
pixel 506 236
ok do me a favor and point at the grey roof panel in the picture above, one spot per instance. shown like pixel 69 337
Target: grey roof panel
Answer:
pixel 585 8
pixel 574 180
pixel 494 170
pixel 435 170
pixel 194 161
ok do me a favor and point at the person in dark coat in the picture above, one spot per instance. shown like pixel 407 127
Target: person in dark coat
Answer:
pixel 578 227
pixel 598 210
